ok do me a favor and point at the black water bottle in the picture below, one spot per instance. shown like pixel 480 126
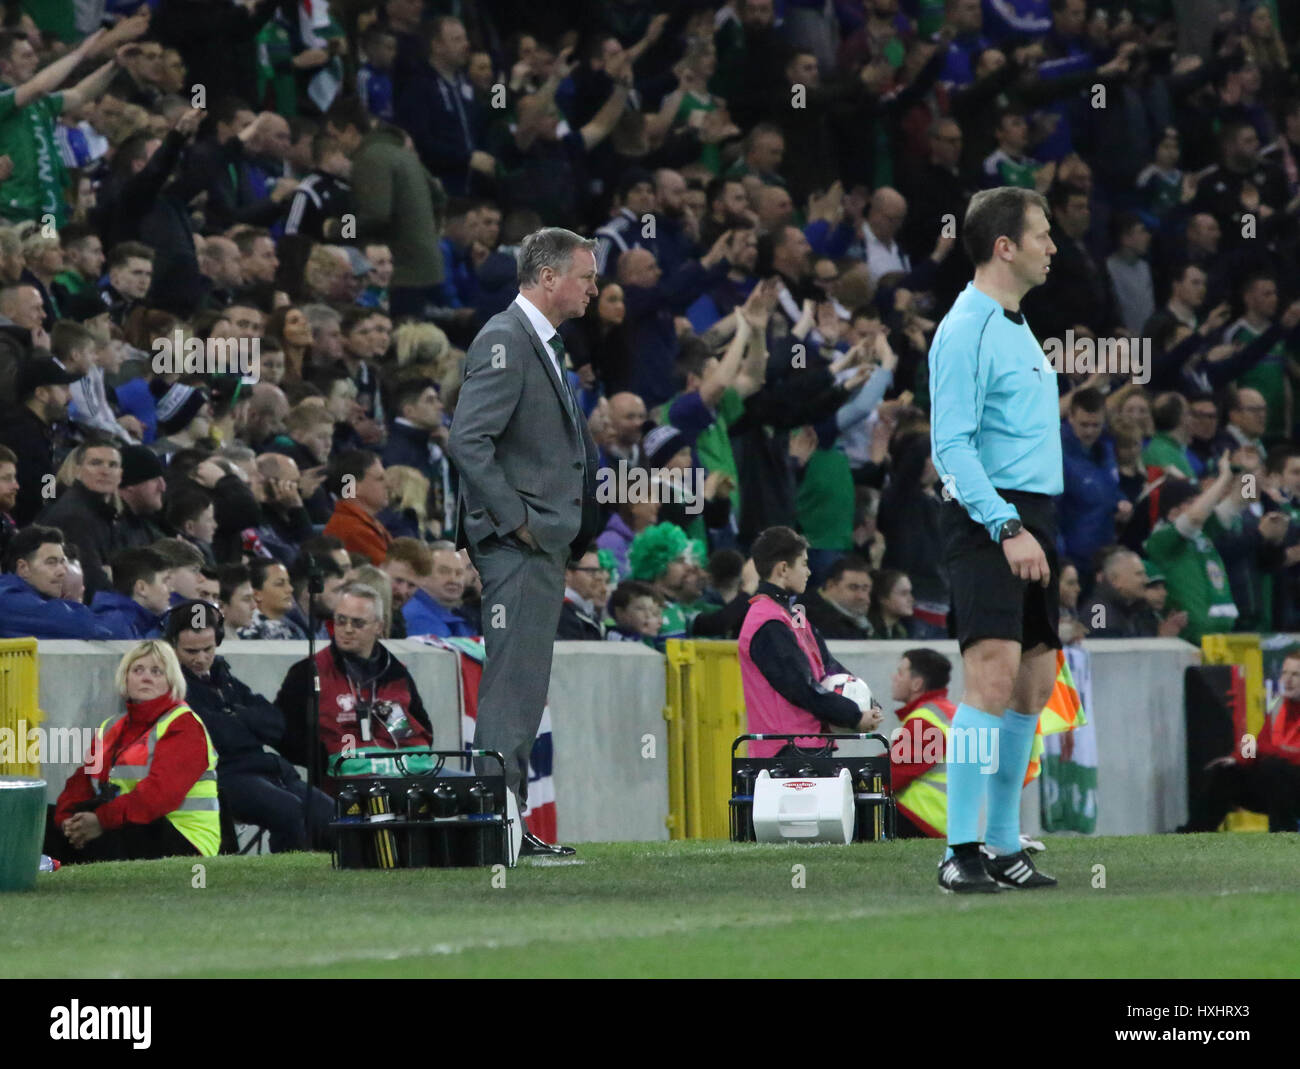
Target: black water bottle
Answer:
pixel 419 808
pixel 742 812
pixel 349 811
pixel 878 816
pixel 479 833
pixel 862 780
pixel 379 803
pixel 444 806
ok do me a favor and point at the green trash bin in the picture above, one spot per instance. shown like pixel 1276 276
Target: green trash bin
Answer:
pixel 22 827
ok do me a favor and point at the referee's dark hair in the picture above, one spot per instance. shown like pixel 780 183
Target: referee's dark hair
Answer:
pixel 996 213
pixel 934 668
pixel 775 545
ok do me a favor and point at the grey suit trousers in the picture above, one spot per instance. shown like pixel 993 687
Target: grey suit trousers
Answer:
pixel 523 593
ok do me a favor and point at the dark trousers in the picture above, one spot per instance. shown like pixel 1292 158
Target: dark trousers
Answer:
pixel 1265 785
pixel 297 816
pixel 131 842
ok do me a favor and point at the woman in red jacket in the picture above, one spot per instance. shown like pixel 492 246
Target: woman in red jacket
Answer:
pixel 148 788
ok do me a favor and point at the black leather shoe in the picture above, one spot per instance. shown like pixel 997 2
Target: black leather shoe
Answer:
pixel 534 847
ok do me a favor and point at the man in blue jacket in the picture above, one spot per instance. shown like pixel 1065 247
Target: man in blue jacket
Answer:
pixel 1092 504
pixel 434 613
pixel 438 108
pixel 417 434
pixel 140 595
pixel 30 605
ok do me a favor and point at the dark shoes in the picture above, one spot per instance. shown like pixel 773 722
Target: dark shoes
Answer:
pixel 534 847
pixel 1017 871
pixel 964 873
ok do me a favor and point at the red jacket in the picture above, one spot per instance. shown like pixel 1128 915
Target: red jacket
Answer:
pixel 179 759
pixel 359 531
pixel 1280 735
pixel 903 772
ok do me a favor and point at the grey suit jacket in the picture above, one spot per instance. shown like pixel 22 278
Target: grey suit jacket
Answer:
pixel 521 457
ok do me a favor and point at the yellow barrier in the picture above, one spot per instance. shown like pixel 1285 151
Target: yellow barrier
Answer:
pixel 705 713
pixel 19 675
pixel 1244 651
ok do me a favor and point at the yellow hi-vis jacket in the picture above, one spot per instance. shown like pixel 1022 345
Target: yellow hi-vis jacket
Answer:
pixel 925 799
pixel 198 817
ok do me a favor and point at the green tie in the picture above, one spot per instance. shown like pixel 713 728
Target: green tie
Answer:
pixel 557 347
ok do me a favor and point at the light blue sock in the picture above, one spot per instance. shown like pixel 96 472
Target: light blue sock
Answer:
pixel 969 752
pixel 1015 745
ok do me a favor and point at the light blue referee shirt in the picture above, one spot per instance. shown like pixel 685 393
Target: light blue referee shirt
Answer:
pixel 995 419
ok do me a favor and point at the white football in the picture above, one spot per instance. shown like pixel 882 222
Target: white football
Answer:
pixel 850 687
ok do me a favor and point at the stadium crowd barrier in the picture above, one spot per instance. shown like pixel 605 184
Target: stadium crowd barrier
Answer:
pixel 606 700
pixel 615 734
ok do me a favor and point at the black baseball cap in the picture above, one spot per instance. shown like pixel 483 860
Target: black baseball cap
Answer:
pixel 35 372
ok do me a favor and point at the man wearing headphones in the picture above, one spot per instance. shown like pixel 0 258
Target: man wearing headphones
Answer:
pixel 256 786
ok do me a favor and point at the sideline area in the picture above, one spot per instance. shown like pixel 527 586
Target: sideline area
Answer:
pixel 1203 905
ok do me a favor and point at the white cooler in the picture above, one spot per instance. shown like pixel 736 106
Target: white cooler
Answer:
pixel 814 810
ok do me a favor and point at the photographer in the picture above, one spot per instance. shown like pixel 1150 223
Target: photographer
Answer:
pixel 367 697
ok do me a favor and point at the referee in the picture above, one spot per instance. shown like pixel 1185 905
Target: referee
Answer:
pixel 996 440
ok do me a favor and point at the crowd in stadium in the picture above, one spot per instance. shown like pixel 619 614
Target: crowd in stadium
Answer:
pixel 776 190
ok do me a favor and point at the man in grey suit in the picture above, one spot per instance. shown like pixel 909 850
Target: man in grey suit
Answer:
pixel 527 501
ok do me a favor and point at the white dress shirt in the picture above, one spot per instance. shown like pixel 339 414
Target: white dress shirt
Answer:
pixel 542 327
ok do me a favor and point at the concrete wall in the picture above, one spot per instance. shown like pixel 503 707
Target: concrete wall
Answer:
pixel 611 745
pixel 607 700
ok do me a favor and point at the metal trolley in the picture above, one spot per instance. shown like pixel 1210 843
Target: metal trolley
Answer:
pixel 422 819
pixel 876 814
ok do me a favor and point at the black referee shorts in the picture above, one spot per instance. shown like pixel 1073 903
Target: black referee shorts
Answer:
pixel 988 601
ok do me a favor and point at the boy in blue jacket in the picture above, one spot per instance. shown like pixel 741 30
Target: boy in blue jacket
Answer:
pixel 140 595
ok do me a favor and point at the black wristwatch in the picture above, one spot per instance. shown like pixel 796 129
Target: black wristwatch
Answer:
pixel 1010 529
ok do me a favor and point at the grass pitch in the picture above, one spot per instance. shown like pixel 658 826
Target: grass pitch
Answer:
pixel 1171 906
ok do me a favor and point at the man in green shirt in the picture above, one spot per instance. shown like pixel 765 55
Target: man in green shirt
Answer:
pixel 29 109
pixel 83 259
pixel 1181 547
pixel 1172 418
pixel 716 388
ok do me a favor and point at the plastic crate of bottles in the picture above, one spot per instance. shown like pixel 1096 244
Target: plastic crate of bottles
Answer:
pixel 424 819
